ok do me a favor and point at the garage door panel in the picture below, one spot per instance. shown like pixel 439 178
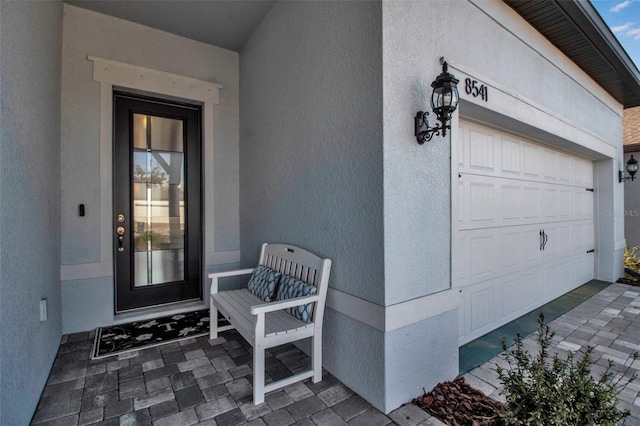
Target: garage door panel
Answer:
pixel 566 280
pixel 485 202
pixel 488 253
pixel 532 201
pixel 565 207
pixel 511 158
pixel 564 169
pixel 511 250
pixel 550 165
pixel 531 246
pixel 550 277
pixel 481 201
pixel 511 202
pixel 533 162
pixel 492 153
pixel 462 210
pixel 582 268
pixel 582 234
pixel 520 293
pixel 509 296
pixel 511 190
pixel 482 156
pixel 481 250
pixel 563 241
pixel 583 172
pixel 482 304
pixel 550 203
pixel 583 204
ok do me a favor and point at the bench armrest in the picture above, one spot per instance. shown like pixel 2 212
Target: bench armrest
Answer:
pixel 231 273
pixel 283 304
pixel 215 275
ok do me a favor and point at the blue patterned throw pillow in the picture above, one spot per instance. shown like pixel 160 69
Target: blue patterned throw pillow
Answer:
pixel 263 282
pixel 290 288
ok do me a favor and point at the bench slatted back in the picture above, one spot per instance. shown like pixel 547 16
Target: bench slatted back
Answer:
pixel 300 264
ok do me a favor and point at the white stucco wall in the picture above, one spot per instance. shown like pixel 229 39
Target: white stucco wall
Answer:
pixel 87 269
pixel 31 51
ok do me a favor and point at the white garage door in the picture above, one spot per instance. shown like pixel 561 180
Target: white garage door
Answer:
pixel 525 230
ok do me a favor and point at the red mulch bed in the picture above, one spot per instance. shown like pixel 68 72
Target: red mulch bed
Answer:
pixel 458 404
pixel 629 281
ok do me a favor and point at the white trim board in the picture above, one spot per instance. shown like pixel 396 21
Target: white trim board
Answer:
pixel 514 105
pixel 150 80
pixel 392 317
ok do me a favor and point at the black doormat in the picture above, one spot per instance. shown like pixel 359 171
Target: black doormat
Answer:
pixel 118 339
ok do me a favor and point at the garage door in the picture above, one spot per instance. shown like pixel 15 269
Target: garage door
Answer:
pixel 525 230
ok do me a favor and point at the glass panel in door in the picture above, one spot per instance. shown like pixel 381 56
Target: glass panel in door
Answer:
pixel 158 200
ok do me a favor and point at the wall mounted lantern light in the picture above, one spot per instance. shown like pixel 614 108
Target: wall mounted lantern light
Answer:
pixel 444 101
pixel 631 168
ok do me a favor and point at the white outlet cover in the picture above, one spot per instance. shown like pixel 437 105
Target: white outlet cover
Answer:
pixel 43 310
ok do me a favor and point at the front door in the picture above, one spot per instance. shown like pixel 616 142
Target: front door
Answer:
pixel 157 206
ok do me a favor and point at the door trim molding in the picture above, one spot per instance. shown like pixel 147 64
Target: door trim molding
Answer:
pixel 113 74
pixel 150 80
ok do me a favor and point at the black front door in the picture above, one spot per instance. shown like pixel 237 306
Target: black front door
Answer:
pixel 157 204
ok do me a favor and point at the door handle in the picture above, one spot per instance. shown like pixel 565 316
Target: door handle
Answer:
pixel 120 231
pixel 541 240
pixel 544 239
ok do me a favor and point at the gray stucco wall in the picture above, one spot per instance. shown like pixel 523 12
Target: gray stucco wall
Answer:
pixel 88 288
pixel 30 48
pixel 489 36
pixel 311 138
pixel 419 356
pixel 525 73
pixel 311 160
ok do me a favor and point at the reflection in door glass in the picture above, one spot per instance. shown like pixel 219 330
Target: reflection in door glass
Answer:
pixel 158 199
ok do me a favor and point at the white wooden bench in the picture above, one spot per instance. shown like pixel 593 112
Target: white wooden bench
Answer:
pixel 265 325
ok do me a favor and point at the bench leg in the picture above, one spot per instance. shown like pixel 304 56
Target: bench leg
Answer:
pixel 213 321
pixel 258 374
pixel 316 357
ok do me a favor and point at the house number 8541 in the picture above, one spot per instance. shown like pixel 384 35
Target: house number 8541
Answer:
pixel 475 89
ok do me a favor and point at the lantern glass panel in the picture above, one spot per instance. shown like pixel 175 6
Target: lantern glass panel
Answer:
pixel 437 99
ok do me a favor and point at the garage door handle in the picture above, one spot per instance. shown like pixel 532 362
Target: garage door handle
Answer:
pixel 541 240
pixel 544 239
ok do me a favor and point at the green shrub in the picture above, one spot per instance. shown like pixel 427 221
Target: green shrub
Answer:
pixel 548 390
pixel 631 259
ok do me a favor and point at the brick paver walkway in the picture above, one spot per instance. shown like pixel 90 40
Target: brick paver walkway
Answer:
pixel 198 381
pixel 609 321
pixel 208 382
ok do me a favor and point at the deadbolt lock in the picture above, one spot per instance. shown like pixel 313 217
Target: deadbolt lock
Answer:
pixel 120 218
pixel 120 230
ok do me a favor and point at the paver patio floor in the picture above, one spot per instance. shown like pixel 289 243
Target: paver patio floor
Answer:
pixel 198 381
pixel 208 382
